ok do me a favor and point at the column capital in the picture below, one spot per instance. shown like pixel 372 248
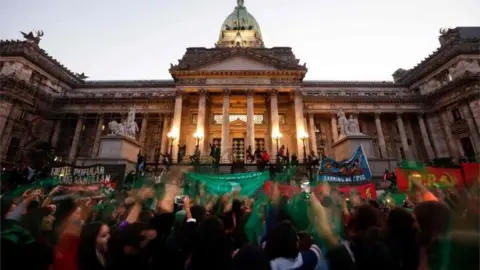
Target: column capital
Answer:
pixel 333 114
pixel 202 91
pixel 420 114
pixel 298 93
pixel 226 91
pixel 250 92
pixel 399 114
pixel 377 114
pixel 272 92
pixel 179 92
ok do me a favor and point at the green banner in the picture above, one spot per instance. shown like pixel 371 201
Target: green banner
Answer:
pixel 220 184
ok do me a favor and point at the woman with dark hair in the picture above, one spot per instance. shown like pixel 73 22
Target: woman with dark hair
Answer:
pixel 251 257
pixel 401 233
pixel 434 220
pixel 93 246
pixel 282 249
pixel 212 249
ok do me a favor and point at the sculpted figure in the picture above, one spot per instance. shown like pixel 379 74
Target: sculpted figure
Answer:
pixel 128 127
pixel 342 122
pixel 353 127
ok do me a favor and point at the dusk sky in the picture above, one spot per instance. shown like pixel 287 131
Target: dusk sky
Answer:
pixel 339 40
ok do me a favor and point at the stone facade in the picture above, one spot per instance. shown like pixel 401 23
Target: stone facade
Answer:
pixel 237 96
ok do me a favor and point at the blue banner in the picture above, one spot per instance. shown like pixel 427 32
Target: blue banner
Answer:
pixel 351 171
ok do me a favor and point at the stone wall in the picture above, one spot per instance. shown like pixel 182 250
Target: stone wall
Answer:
pixel 437 136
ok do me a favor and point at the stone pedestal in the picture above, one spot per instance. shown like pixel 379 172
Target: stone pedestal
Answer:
pixel 114 146
pixel 114 150
pixel 346 146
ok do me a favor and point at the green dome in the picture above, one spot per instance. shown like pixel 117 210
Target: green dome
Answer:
pixel 241 20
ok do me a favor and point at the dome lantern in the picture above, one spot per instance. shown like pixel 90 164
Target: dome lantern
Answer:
pixel 240 29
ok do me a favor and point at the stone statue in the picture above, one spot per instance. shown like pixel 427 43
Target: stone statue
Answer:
pixel 347 126
pixel 353 126
pixel 342 122
pixel 240 3
pixel 128 127
pixel 33 38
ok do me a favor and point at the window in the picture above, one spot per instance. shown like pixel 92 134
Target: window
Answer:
pixel 281 119
pixel 456 115
pixel 257 118
pixel 194 118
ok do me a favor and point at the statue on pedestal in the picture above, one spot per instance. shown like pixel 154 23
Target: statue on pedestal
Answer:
pixel 348 126
pixel 342 123
pixel 127 128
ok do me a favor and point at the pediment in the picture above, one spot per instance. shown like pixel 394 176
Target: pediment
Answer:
pixel 237 63
pixel 237 122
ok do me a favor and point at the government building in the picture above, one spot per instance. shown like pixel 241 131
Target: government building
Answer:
pixel 238 94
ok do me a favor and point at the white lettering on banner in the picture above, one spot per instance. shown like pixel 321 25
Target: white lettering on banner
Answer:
pixel 80 176
pixel 344 179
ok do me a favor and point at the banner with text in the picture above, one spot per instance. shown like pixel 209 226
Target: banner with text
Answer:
pixel 366 191
pixel 89 178
pixel 430 177
pixel 354 171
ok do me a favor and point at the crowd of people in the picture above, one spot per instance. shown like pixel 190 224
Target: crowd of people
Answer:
pixel 142 229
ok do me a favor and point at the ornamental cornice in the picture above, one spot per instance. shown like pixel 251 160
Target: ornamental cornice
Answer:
pixel 40 58
pixel 438 58
pixel 468 77
pixel 296 74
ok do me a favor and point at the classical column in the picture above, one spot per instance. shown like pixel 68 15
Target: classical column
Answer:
pixel 165 130
pixel 380 136
pixel 300 128
pixel 403 137
pixel 274 121
pixel 56 133
pixel 6 108
pixel 225 144
pixel 176 122
pixel 333 122
pixel 250 124
pixel 311 129
pixel 452 146
pixel 143 133
pixel 475 136
pixel 6 126
pixel 76 140
pixel 98 134
pixel 425 137
pixel 202 101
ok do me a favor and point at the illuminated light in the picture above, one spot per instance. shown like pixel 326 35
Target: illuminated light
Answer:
pixel 276 135
pixel 103 127
pixel 303 135
pixel 173 134
pixel 198 135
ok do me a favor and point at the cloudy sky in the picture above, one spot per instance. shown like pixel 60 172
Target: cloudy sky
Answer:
pixel 339 40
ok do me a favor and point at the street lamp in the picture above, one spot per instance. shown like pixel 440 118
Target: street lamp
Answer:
pixel 198 136
pixel 304 137
pixel 172 136
pixel 276 136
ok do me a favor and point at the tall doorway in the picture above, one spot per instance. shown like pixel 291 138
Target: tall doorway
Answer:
pixel 238 149
pixel 467 146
